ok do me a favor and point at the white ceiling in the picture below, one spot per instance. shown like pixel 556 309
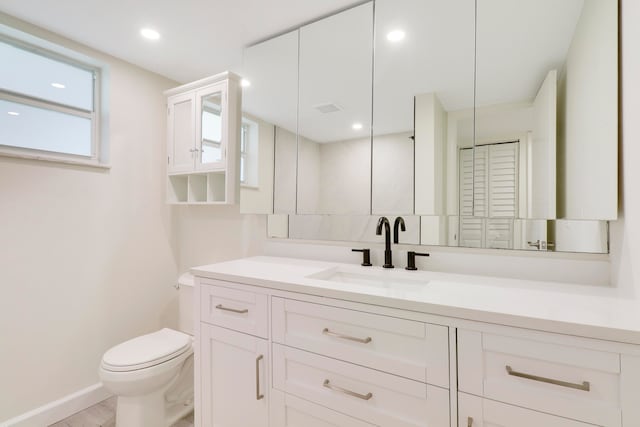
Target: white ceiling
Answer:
pixel 199 37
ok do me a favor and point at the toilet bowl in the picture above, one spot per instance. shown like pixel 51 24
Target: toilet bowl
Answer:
pixel 152 375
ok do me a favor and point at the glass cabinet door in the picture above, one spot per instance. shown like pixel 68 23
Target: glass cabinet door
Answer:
pixel 212 128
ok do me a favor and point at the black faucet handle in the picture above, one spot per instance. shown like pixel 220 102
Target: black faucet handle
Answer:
pixel 411 259
pixel 366 256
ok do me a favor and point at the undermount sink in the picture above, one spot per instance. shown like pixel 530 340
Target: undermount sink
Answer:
pixel 376 278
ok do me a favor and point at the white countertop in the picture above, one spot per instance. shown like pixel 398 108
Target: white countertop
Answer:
pixel 587 311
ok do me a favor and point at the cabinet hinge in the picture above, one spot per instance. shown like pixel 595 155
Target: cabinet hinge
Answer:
pixel 167 159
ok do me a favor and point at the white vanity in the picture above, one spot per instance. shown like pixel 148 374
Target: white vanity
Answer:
pixel 288 342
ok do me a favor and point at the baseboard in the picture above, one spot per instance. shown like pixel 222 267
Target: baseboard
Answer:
pixel 60 409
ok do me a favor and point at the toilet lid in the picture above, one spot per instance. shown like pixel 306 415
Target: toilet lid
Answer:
pixel 146 350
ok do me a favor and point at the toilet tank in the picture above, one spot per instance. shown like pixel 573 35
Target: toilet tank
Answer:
pixel 185 303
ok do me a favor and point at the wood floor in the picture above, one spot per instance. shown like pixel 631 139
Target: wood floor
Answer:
pixel 103 414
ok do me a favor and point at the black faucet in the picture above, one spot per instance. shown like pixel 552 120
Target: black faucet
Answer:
pixel 387 240
pixel 398 222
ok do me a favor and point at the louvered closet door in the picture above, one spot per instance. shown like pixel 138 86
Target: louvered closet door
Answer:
pixel 503 195
pixel 503 180
pixel 488 195
pixel 472 231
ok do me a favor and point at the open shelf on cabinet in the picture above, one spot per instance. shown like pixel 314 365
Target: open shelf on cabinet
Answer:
pixel 197 188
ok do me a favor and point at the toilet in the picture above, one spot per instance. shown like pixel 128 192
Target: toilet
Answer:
pixel 152 375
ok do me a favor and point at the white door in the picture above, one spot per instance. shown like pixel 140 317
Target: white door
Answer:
pixel 180 133
pixel 235 389
pixel 542 185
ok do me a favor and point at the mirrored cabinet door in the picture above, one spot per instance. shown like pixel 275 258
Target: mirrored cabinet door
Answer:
pixel 211 125
pixel 269 110
pixel 544 173
pixel 423 82
pixel 334 139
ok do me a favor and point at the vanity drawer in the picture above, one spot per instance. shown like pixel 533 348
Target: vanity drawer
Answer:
pixel 569 381
pixel 369 395
pixel 406 348
pixel 234 309
pixel 475 411
pixel 291 411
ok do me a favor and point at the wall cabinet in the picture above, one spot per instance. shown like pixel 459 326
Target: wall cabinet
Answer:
pixel 203 133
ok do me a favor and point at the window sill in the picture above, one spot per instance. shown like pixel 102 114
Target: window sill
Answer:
pixel 53 159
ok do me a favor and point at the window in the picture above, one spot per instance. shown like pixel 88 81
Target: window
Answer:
pixel 249 134
pixel 244 135
pixel 48 105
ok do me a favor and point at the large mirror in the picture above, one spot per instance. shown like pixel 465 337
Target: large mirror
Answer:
pixel 269 123
pixel 484 123
pixel 334 114
pixel 544 162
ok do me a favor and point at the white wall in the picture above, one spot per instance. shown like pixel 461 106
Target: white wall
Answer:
pixel 430 155
pixel 588 117
pixel 625 232
pixel 87 257
pixel 208 234
pixel 392 174
pixel 284 182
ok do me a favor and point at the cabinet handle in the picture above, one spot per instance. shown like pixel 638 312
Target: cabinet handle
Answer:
pixel 585 386
pixel 258 395
pixel 469 422
pixel 366 340
pixel 233 310
pixel 328 385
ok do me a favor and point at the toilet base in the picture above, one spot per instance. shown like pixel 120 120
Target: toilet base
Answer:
pixel 150 411
pixel 141 411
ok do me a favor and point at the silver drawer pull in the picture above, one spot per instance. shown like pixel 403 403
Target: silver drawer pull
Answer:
pixel 233 310
pixel 367 396
pixel 585 386
pixel 469 422
pixel 258 395
pixel 366 340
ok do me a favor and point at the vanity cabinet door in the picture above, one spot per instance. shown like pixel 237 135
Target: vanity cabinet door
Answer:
pixel 234 375
pixel 474 411
pixel 290 411
pixel 180 132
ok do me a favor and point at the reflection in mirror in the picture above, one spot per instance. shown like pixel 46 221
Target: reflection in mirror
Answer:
pixel 424 51
pixel 269 104
pixel 334 144
pixel 348 228
pixel 211 128
pixel 545 134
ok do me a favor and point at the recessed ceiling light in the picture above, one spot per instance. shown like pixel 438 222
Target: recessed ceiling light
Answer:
pixel 356 126
pixel 149 33
pixel 58 85
pixel 13 113
pixel 245 83
pixel 395 35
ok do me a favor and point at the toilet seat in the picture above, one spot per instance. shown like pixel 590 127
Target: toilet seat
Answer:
pixel 146 351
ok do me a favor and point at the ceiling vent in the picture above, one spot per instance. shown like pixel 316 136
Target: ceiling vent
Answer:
pixel 327 108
